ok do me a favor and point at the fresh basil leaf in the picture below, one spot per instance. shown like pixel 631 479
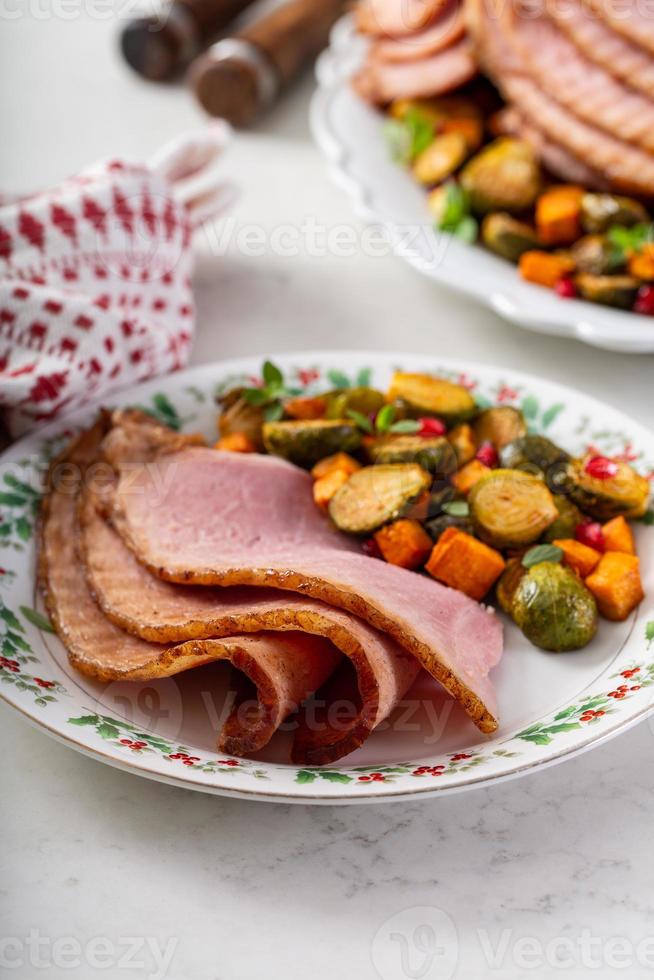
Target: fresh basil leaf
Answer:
pixel 273 412
pixel 542 552
pixel 467 229
pixel 404 425
pixel 255 396
pixel 272 375
pixel 385 418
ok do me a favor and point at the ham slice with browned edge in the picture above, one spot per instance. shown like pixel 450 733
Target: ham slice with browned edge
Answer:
pixel 203 517
pixel 382 81
pixel 283 669
pixel 396 18
pixel 299 643
pixel 633 19
pixel 449 27
pixel 624 59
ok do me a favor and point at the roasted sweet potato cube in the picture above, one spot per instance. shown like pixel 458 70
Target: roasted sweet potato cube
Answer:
pixel 543 268
pixel 326 486
pixel 578 556
pixel 469 474
pixel 464 563
pixel 339 461
pixel 236 442
pixel 405 543
pixel 618 536
pixel 616 585
pixel 558 214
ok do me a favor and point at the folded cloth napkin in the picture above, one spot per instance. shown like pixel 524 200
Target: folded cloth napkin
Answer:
pixel 95 289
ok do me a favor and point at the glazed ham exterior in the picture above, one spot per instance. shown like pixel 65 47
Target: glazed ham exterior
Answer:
pixel 381 81
pixel 198 516
pixel 445 32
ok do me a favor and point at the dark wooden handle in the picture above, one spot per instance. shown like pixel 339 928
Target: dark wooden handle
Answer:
pixel 293 34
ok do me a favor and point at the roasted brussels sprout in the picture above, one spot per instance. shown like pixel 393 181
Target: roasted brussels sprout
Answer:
pixel 553 608
pixel 621 490
pixel 567 522
pixel 304 443
pixel 510 508
pixel 533 454
pixel 443 156
pixel 619 291
pixel 501 425
pixel 424 394
pixel 435 455
pixel 508 237
pixel 367 401
pixel 504 176
pixel 437 525
pixel 238 415
pixel 376 495
pixel 600 211
pixel 595 254
pixel 508 583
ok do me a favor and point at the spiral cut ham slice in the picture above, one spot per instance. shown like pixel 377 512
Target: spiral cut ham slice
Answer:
pixel 624 59
pixel 201 517
pixel 633 19
pixel 448 29
pixel 286 646
pixel 390 18
pixel 382 81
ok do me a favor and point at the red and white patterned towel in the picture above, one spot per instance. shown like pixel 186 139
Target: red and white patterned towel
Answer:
pixel 95 289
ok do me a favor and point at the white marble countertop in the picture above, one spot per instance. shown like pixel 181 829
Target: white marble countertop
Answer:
pixel 548 876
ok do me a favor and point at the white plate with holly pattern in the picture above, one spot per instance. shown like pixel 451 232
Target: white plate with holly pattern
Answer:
pixel 350 135
pixel 551 706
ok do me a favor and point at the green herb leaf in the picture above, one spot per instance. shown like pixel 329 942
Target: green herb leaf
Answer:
pixel 385 417
pixel 405 425
pixel 255 396
pixel 272 375
pixel 273 412
pixel 467 229
pixel 408 137
pixel 542 552
pixel 455 217
pixel 36 619
pixel 630 239
pixel 361 420
pixel 456 508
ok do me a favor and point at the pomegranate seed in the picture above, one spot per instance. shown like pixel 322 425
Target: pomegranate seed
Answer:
pixel 371 548
pixel 565 288
pixel 431 427
pixel 487 454
pixel 601 468
pixel 591 535
pixel 645 301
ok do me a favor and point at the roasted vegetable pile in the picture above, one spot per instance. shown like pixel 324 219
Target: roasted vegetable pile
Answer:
pixel 429 481
pixel 599 247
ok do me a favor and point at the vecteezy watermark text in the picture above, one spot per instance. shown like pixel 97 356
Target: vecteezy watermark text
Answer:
pixel 148 954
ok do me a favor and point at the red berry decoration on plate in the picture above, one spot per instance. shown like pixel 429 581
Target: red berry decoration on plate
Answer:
pixel 591 535
pixel 487 454
pixel 431 427
pixel 601 468
pixel 565 288
pixel 645 301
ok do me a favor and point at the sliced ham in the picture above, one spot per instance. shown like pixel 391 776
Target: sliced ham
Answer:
pixel 587 90
pixel 624 59
pixel 198 516
pixel 396 18
pixel 633 19
pixel 382 81
pixel 449 28
pixel 159 611
pixel 283 669
pixel 553 156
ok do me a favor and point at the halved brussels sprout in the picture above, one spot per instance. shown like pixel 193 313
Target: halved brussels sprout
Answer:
pixel 508 237
pixel 554 609
pixel 626 492
pixel 618 291
pixel 500 425
pixel 462 440
pixel 510 508
pixel 367 401
pixel 600 211
pixel 533 454
pixel 376 495
pixel 238 415
pixel 443 156
pixel 305 442
pixel 504 176
pixel 565 525
pixel 435 455
pixel 595 254
pixel 424 394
